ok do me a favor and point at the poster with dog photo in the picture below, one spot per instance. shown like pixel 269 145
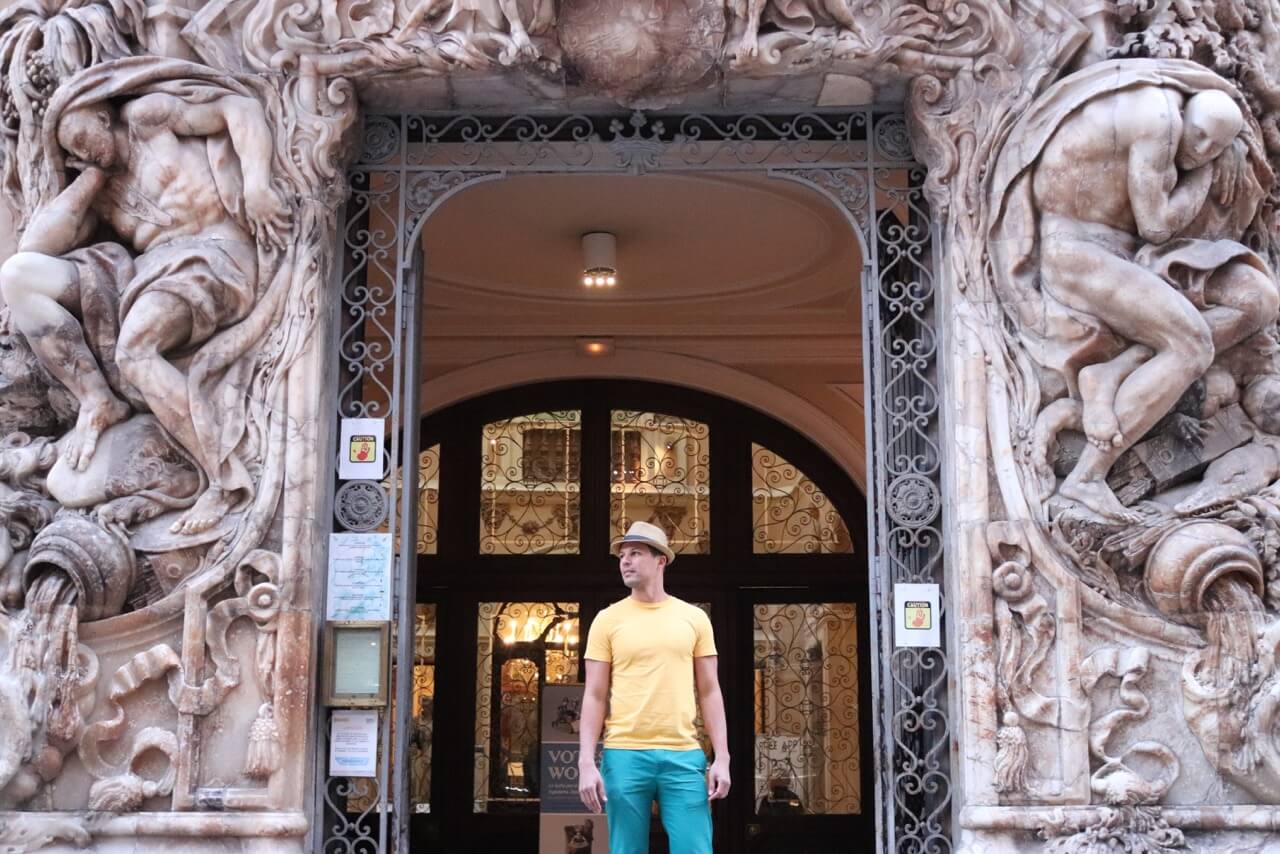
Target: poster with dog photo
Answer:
pixel 573 834
pixel 563 706
pixel 563 829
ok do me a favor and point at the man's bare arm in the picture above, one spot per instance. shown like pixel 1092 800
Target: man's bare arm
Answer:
pixel 707 678
pixel 239 117
pixel 1164 202
pixel 590 722
pixel 65 222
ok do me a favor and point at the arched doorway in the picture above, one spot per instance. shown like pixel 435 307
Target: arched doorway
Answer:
pixel 521 491
pixel 859 161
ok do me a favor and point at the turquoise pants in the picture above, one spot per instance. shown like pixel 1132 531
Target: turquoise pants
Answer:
pixel 633 779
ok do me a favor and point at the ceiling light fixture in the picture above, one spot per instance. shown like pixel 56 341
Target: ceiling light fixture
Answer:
pixel 599 259
pixel 595 346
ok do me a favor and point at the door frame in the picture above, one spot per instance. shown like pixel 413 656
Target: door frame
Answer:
pixel 731 577
pixel 860 160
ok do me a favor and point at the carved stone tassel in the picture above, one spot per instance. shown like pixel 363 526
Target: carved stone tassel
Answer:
pixel 263 756
pixel 1011 756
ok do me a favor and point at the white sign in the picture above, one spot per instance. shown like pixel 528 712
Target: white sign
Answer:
pixel 360 448
pixel 359 577
pixel 353 744
pixel 916 614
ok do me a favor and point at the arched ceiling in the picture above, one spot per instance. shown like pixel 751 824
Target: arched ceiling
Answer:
pixel 688 239
pixel 754 274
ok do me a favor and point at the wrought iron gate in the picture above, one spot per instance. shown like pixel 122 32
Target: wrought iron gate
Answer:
pixel 861 161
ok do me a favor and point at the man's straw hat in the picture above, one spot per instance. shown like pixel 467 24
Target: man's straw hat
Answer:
pixel 649 535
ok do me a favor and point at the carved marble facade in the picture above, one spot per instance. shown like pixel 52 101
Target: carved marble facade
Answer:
pixel 1104 174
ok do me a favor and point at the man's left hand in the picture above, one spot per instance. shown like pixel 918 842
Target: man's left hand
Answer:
pixel 268 215
pixel 718 780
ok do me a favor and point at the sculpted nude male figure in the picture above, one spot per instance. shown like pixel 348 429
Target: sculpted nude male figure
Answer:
pixel 148 174
pixel 1130 169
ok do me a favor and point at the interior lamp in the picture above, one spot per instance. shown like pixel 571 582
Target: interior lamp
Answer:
pixel 599 259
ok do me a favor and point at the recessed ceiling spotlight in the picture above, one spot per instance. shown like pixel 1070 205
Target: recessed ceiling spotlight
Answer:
pixel 595 346
pixel 599 259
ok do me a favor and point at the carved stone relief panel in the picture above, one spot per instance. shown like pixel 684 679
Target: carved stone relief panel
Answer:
pixel 1112 247
pixel 159 311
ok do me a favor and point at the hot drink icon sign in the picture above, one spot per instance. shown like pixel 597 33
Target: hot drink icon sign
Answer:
pixel 919 615
pixel 362 449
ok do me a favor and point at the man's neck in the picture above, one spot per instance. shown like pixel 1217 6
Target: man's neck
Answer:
pixel 123 149
pixel 650 594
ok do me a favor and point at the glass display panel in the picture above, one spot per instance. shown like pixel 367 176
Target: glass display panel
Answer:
pixel 422 722
pixel 807 759
pixel 530 484
pixel 661 473
pixel 428 500
pixel 790 514
pixel 357 661
pixel 520 647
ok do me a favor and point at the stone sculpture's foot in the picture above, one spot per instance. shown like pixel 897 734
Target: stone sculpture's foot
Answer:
pixel 525 49
pixel 95 417
pixel 1099 498
pixel 1098 387
pixel 209 510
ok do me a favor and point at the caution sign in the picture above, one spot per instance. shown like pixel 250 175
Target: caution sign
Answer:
pixel 362 449
pixel 916 615
pixel 919 615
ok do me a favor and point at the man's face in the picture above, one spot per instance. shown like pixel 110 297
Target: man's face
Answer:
pixel 86 134
pixel 639 565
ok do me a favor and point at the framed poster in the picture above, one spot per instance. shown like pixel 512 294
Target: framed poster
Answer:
pixel 565 826
pixel 359 577
pixel 353 744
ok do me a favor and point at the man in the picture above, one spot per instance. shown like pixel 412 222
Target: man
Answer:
pixel 1126 172
pixel 154 174
pixel 652 659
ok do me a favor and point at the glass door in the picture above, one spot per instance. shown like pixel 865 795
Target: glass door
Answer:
pixel 521 647
pixel 807 789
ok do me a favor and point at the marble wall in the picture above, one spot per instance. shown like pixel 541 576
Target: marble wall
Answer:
pixel 1103 174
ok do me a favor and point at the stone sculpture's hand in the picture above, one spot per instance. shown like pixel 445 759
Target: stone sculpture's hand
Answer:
pixel 1227 175
pixel 81 165
pixel 268 215
pixel 1191 431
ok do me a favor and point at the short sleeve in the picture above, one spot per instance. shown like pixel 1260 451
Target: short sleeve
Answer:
pixel 599 646
pixel 705 642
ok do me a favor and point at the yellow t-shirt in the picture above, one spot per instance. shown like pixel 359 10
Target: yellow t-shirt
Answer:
pixel 651 648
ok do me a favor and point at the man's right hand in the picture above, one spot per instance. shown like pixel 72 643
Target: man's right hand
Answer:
pixel 84 167
pixel 591 787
